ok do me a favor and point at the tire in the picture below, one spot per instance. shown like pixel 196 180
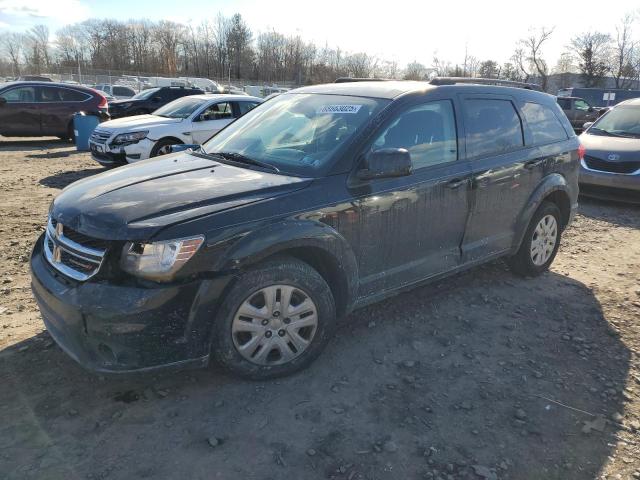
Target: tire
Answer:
pixel 156 151
pixel 529 263
pixel 263 356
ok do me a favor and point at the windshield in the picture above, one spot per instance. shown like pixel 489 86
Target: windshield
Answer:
pixel 296 133
pixel 622 121
pixel 143 95
pixel 181 108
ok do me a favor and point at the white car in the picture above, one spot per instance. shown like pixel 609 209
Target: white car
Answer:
pixel 119 92
pixel 188 120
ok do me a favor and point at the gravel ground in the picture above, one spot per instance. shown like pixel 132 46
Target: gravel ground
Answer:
pixel 482 376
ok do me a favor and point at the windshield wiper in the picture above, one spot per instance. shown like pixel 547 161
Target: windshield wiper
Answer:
pixel 611 134
pixel 239 157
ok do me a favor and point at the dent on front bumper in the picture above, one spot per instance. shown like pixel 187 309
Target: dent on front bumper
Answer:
pixel 125 328
pixel 121 155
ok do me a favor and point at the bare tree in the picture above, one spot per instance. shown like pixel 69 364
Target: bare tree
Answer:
pixel 592 50
pixel 530 51
pixel 13 46
pixel 564 68
pixel 624 49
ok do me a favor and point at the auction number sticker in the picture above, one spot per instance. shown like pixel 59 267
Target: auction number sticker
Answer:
pixel 339 109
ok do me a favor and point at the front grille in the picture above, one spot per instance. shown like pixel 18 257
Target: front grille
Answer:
pixel 612 167
pixel 100 136
pixel 72 253
pixel 84 240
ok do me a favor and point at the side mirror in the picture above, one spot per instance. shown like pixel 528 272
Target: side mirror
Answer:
pixel 385 163
pixel 586 125
pixel 181 147
pixel 2 101
pixel 590 109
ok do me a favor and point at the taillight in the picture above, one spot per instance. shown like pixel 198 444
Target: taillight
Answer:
pixel 103 101
pixel 581 152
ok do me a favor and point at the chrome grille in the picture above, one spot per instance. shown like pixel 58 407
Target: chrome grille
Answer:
pixel 100 136
pixel 72 253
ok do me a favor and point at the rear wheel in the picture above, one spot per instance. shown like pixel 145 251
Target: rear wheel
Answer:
pixel 541 242
pixel 276 320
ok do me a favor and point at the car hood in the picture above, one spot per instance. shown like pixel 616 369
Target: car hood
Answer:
pixel 124 101
pixel 611 148
pixel 135 202
pixel 138 122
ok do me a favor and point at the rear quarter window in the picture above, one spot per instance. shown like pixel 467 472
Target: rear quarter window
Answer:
pixel 69 95
pixel 543 124
pixel 493 127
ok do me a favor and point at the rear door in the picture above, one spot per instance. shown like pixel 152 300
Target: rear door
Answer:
pixel 20 113
pixel 58 105
pixel 501 173
pixel 411 227
pixel 210 120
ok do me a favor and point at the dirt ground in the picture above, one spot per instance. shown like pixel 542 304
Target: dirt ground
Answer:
pixel 482 376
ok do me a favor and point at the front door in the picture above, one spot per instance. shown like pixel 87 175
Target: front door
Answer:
pixel 20 112
pixel 411 227
pixel 212 119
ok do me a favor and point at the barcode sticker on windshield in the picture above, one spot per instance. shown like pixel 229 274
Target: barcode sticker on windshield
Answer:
pixel 339 109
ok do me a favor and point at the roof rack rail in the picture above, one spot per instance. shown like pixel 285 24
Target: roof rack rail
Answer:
pixel 484 81
pixel 356 79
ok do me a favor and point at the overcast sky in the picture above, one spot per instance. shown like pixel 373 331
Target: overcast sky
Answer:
pixel 399 30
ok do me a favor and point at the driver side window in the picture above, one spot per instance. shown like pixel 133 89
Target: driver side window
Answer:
pixel 581 105
pixel 427 131
pixel 218 111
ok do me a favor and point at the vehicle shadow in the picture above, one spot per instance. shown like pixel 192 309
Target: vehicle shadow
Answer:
pixel 13 144
pixel 483 375
pixel 55 154
pixel 62 179
pixel 618 213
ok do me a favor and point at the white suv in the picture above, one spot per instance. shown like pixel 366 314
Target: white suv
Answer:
pixel 188 120
pixel 119 92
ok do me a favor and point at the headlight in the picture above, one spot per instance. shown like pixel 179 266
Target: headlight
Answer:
pixel 131 137
pixel 158 260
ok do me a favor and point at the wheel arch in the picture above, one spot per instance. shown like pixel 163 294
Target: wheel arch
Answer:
pixel 554 188
pixel 316 244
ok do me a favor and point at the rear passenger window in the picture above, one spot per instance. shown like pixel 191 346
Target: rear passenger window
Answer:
pixel 69 95
pixel 50 94
pixel 428 131
pixel 493 127
pixel 543 123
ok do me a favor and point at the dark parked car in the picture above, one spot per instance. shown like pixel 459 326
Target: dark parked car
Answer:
pixel 578 111
pixel 33 109
pixel 611 164
pixel 321 200
pixel 149 100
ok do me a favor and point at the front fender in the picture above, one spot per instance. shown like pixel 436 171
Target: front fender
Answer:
pixel 549 184
pixel 301 236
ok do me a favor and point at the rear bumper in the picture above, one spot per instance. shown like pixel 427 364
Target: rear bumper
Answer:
pixel 126 328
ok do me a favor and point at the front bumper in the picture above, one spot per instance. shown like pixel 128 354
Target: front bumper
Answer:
pixel 609 186
pixel 121 155
pixel 126 328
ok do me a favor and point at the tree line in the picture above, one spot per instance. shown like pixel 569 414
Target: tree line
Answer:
pixel 226 47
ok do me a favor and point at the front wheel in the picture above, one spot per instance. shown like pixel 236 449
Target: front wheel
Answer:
pixel 162 147
pixel 276 320
pixel 540 244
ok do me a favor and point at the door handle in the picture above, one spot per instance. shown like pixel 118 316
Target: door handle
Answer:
pixel 455 183
pixel 532 164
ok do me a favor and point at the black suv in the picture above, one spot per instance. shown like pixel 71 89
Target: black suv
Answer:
pixel 149 100
pixel 321 200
